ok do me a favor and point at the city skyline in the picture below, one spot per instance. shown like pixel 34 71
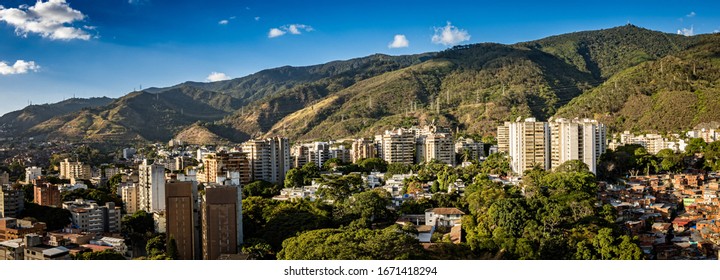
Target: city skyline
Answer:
pixel 57 49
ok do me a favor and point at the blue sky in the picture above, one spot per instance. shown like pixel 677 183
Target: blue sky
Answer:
pixel 56 49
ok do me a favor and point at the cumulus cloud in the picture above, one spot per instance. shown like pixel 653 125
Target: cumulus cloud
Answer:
pixel 20 67
pixel 295 29
pixel 217 76
pixel 52 19
pixel 399 42
pixel 450 35
pixel 716 31
pixel 275 32
pixel 691 14
pixel 686 31
pixel 223 22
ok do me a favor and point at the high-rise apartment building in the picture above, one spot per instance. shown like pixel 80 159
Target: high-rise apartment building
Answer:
pixel 528 145
pixel 217 166
pixel 222 231
pixel 12 201
pixel 151 187
pixel 398 146
pixel 181 218
pixel 129 195
pixel 32 173
pixel 468 149
pixel 315 152
pixel 362 149
pixel 577 139
pixel 503 138
pixel 46 194
pixel 269 158
pixel 4 178
pixel 438 146
pixel 75 170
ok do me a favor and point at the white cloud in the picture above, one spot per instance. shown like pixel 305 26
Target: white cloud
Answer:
pixel 274 32
pixel 20 67
pixel 223 22
pixel 52 19
pixel 216 76
pixel 450 35
pixel 257 18
pixel 295 29
pixel 686 32
pixel 399 42
pixel 716 31
pixel 691 14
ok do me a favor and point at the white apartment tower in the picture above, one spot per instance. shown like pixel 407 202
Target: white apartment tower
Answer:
pixel 151 187
pixel 32 173
pixel 528 145
pixel 577 139
pixel 269 158
pixel 440 146
pixel 398 146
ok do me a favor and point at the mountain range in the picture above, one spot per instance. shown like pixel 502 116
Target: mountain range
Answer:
pixel 628 77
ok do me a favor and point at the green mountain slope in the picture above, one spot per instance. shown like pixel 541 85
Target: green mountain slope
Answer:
pixel 676 92
pixel 606 52
pixel 626 76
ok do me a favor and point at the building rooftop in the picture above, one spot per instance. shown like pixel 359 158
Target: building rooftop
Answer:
pixel 446 211
pixel 55 251
pixel 14 243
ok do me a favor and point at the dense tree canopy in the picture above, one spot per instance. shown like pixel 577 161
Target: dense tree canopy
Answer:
pixel 352 244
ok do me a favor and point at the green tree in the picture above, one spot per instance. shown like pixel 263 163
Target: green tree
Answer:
pixel 54 218
pixel 102 255
pixel 497 163
pixel 114 181
pixel 340 187
pixel 138 228
pixel 373 164
pixel 397 168
pixel 572 166
pixel 352 244
pixel 695 145
pixel 261 188
pixel 310 171
pixel 332 164
pixel 172 250
pixel 370 205
pixel 294 178
pixel 257 249
pixel 156 247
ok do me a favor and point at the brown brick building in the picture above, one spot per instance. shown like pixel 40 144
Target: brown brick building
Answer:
pixel 221 221
pixel 219 164
pixel 181 216
pixel 11 228
pixel 47 195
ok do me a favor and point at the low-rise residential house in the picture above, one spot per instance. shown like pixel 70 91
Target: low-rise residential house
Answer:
pixel 373 180
pixel 680 225
pixel 444 217
pixel 11 228
pixel 117 244
pixel 35 250
pixel 11 250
